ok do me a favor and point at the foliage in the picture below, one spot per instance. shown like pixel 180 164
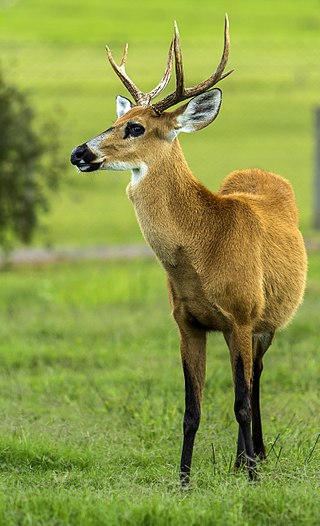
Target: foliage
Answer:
pixel 29 166
pixel 91 405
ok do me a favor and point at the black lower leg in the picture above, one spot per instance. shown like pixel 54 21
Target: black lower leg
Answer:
pixel 257 437
pixel 241 453
pixel 190 425
pixel 242 409
pixel 260 344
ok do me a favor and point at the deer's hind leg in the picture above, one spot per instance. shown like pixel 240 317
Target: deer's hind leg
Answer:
pixel 260 344
pixel 241 355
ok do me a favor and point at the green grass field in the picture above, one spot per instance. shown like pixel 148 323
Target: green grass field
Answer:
pixel 92 401
pixel 92 392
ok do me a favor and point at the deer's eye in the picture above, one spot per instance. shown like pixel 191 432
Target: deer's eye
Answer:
pixel 133 129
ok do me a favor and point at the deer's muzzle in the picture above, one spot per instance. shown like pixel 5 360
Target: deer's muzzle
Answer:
pixel 84 159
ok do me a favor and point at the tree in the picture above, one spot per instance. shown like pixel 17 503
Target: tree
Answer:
pixel 29 166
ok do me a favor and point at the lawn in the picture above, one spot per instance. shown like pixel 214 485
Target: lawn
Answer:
pixel 92 392
pixel 55 50
pixel 92 398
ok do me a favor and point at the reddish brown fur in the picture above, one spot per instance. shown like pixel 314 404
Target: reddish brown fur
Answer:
pixel 235 259
pixel 241 246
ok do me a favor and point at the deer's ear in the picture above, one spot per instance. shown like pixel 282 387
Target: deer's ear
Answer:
pixel 199 112
pixel 123 105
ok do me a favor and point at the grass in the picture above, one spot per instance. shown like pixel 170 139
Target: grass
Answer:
pixel 91 395
pixel 55 50
pixel 92 401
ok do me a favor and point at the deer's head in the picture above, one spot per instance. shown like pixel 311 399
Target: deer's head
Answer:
pixel 143 130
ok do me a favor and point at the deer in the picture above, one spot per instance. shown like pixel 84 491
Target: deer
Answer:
pixel 235 258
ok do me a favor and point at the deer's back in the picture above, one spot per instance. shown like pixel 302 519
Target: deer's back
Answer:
pixel 266 192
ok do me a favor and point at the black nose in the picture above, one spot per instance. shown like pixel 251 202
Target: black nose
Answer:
pixel 82 153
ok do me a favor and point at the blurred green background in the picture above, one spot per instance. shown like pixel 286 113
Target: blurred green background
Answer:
pixel 56 51
pixel 92 392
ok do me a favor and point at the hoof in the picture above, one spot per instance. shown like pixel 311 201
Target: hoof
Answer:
pixel 253 474
pixel 245 463
pixel 184 480
pixel 240 462
pixel 261 457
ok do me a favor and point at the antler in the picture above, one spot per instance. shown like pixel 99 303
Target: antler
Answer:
pixel 181 93
pixel 142 99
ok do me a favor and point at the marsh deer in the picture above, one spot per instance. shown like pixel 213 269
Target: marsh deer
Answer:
pixel 235 259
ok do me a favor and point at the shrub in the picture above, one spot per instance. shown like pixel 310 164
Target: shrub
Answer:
pixel 29 166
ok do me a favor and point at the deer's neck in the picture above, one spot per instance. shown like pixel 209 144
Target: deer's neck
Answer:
pixel 172 206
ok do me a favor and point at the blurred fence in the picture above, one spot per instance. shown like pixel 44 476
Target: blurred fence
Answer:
pixel 317 171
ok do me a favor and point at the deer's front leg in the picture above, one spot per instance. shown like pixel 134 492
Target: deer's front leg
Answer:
pixel 193 355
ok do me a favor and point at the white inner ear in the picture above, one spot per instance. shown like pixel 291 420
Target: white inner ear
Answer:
pixel 123 105
pixel 200 111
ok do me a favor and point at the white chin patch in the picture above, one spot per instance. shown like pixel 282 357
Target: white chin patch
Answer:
pixel 138 174
pixel 117 166
pixel 138 171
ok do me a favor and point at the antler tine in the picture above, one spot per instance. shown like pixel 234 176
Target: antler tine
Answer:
pixel 178 61
pixel 217 75
pixel 166 76
pixel 124 56
pixel 141 98
pixel 137 95
pixel 182 93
